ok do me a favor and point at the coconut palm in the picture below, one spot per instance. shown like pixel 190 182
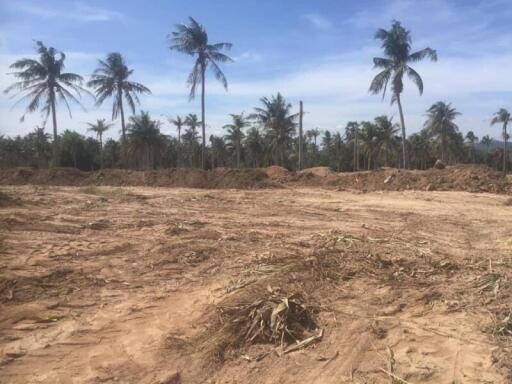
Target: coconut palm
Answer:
pixel 369 137
pixel 278 122
pixel 236 134
pixel 439 124
pixel 255 146
pixel 42 82
pixel 40 145
pixel 503 116
pixel 178 122
pixel 145 139
pixel 386 136
pixel 472 139
pixel 110 79
pixel 351 135
pixel 100 127
pixel 190 137
pixel 192 39
pixel 396 44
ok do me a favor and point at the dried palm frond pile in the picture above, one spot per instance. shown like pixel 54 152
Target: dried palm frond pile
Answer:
pixel 262 316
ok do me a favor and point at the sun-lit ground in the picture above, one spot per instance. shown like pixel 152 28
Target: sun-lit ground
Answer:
pixel 123 285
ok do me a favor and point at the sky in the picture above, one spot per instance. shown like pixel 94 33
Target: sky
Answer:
pixel 316 51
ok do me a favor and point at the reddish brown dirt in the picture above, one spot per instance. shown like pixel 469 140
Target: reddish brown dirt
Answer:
pixel 123 285
pixel 453 178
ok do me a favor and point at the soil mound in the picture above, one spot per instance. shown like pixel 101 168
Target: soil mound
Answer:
pixel 318 171
pixel 452 178
pixel 219 178
pixel 276 172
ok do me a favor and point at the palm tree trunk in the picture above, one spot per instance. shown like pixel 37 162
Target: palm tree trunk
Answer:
pixel 179 148
pixel 443 143
pixel 505 148
pixel 300 135
pixel 123 130
pixel 238 154
pixel 203 123
pixel 55 135
pixel 101 150
pixel 402 123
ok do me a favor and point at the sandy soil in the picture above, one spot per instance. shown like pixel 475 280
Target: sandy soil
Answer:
pixel 111 285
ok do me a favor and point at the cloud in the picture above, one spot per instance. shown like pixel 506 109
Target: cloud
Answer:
pixel 318 21
pixel 79 11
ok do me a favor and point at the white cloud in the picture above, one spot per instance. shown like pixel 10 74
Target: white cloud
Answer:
pixel 318 21
pixel 79 11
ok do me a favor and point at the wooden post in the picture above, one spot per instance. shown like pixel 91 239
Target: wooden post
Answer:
pixel 301 112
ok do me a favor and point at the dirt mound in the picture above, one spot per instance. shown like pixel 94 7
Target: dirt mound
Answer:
pixel 452 178
pixel 276 172
pixel 219 178
pixel 318 171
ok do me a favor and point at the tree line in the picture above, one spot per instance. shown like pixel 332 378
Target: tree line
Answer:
pixel 264 137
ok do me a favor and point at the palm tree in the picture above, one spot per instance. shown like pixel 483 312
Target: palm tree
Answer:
pixel 110 79
pixel 235 133
pixel 99 128
pixel 503 116
pixel 420 149
pixel 351 134
pixel 178 123
pixel 369 142
pixel 472 139
pixel 440 123
pixel 192 39
pixel 42 82
pixel 276 119
pixel 254 145
pixel 386 136
pixel 396 44
pixel 40 144
pixel 145 139
pixel 190 136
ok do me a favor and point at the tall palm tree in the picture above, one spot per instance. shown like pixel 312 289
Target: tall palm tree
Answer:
pixel 190 136
pixel 236 134
pixel 100 127
pixel 396 44
pixel 279 123
pixel 503 116
pixel 42 82
pixel 370 142
pixel 352 135
pixel 145 139
pixel 40 144
pixel 255 146
pixel 192 39
pixel 110 79
pixel 386 136
pixel 472 139
pixel 178 122
pixel 440 117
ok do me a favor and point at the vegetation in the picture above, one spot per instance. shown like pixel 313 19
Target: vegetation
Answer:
pixel 263 138
pixel 396 44
pixel 43 81
pixel 192 40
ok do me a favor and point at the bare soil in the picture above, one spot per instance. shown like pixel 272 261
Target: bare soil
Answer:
pixel 154 285
pixel 453 178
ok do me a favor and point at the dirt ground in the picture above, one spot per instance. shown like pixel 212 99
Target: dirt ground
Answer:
pixel 136 284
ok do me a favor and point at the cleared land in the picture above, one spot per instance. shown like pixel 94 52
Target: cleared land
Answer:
pixel 149 285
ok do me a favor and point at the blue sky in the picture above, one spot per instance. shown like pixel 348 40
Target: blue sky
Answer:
pixel 317 51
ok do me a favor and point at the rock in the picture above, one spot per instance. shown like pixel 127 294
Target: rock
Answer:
pixel 430 187
pixel 439 164
pixel 388 179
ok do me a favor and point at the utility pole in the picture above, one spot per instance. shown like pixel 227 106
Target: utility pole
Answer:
pixel 301 112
